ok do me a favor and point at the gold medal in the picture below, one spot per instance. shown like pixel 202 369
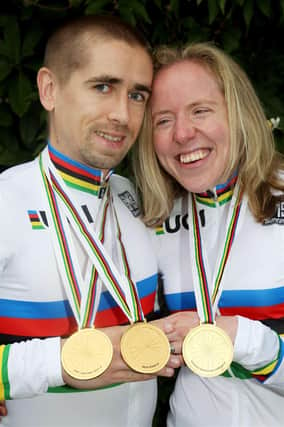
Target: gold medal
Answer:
pixel 207 350
pixel 86 354
pixel 145 348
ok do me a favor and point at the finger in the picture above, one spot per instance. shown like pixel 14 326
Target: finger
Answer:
pixel 174 336
pixel 3 410
pixel 175 361
pixel 140 377
pixel 176 347
pixel 166 372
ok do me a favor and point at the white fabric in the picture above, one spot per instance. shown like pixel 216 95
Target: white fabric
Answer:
pixel 29 273
pixel 127 405
pixel 256 263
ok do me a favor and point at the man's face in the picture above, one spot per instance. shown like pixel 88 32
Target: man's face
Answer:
pixel 190 125
pixel 98 112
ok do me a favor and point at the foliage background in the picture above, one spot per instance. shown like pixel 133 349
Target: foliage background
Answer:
pixel 252 31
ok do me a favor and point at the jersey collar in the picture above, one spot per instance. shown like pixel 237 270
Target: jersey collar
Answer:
pixel 77 175
pixel 219 195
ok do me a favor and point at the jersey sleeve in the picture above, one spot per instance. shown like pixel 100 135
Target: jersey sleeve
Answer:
pixel 29 368
pixel 258 353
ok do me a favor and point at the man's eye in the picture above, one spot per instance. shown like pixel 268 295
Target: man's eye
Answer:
pixel 103 87
pixel 137 96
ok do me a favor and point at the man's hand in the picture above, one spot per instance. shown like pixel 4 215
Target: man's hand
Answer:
pixel 118 371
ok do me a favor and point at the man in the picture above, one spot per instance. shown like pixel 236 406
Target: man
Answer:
pixel 94 84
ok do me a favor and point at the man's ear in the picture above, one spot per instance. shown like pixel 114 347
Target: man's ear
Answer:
pixel 46 87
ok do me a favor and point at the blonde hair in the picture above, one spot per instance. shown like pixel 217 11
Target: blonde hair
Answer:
pixel 252 147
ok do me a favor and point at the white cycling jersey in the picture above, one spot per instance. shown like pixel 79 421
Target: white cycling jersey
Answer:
pixel 35 311
pixel 251 394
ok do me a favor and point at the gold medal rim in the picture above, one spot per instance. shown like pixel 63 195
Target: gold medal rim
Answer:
pixel 71 341
pixel 188 343
pixel 132 362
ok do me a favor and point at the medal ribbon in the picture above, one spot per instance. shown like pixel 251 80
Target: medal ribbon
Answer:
pixel 83 305
pixel 137 313
pixel 95 285
pixel 207 302
pixel 120 286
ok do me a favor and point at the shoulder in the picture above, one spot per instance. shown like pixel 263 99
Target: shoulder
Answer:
pixel 18 183
pixel 17 173
pixel 124 193
pixel 119 183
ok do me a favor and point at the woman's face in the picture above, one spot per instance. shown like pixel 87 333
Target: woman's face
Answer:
pixel 190 125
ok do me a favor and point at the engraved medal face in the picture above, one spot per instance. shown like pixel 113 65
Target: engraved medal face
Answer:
pixel 145 348
pixel 207 350
pixel 86 354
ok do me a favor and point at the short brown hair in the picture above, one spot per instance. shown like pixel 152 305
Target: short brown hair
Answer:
pixel 66 49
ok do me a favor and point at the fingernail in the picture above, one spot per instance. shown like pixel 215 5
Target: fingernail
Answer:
pixel 170 372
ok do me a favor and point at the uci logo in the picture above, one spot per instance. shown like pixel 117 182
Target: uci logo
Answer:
pixel 173 225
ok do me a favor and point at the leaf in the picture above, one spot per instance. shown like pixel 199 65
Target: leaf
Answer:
pixel 140 10
pixel 5 68
pixel 222 4
pixel 12 39
pixel 248 12
pixel 31 39
pixel 29 127
pixel 282 6
pixel 18 94
pixel 33 63
pixel 95 7
pixel 75 3
pixel 264 7
pixel 174 6
pixel 11 153
pixel 127 15
pixel 213 10
pixel 158 3
pixel 4 49
pixel 6 118
pixel 231 39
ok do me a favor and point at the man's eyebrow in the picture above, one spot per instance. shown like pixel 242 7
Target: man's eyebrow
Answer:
pixel 105 78
pixel 143 88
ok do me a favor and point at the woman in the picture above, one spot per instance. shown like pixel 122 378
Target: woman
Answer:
pixel 212 186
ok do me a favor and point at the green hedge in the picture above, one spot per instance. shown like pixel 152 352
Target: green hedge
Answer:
pixel 251 30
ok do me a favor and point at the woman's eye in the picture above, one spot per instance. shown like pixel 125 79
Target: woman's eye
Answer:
pixel 161 122
pixel 201 111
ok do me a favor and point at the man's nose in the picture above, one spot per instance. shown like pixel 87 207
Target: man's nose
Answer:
pixel 120 110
